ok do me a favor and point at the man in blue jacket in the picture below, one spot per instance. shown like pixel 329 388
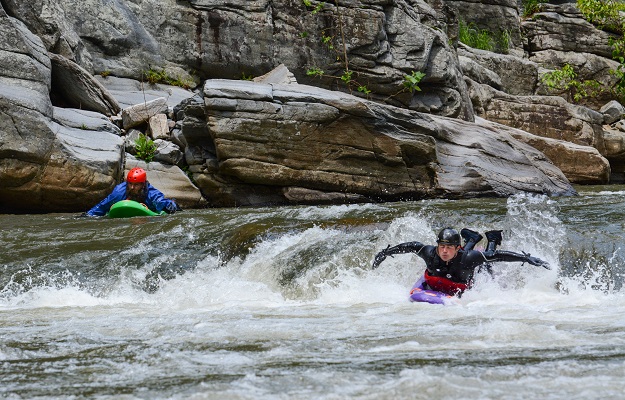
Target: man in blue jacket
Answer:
pixel 135 188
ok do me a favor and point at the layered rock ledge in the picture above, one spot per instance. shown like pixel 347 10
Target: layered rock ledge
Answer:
pixel 256 143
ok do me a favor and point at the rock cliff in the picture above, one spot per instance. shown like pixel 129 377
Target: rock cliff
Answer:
pixel 481 124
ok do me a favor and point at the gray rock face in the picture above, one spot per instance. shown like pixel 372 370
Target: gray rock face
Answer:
pixel 129 92
pixel 512 75
pixel 562 27
pixel 612 112
pixel 615 152
pixel 546 116
pixel 580 164
pixel 494 16
pixel 280 143
pixel 79 89
pixel 142 112
pixel 46 164
pixel 384 42
pixel 295 143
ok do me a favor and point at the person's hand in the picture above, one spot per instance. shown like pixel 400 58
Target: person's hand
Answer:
pixel 381 256
pixel 171 208
pixel 537 262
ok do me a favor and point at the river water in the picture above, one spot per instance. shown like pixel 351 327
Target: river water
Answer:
pixel 281 303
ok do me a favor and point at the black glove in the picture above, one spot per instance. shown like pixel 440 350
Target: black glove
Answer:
pixel 381 256
pixel 537 261
pixel 171 208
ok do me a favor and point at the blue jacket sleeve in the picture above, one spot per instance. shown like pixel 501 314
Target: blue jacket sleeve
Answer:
pixel 118 194
pixel 156 201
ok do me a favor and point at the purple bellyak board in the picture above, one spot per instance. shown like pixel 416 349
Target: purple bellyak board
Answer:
pixel 418 293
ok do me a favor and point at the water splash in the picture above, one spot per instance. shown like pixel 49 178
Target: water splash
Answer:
pixel 303 254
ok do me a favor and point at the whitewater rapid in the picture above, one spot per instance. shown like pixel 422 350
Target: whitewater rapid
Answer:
pixel 282 303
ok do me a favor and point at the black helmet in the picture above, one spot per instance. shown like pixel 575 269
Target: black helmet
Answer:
pixel 449 236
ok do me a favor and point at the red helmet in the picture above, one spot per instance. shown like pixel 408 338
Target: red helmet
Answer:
pixel 136 175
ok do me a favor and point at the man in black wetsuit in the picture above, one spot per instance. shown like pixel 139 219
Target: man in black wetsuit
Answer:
pixel 449 267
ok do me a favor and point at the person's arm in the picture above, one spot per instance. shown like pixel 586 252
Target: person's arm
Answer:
pixel 408 247
pixel 508 256
pixel 158 202
pixel 100 209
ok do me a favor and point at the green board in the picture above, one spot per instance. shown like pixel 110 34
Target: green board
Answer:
pixel 130 208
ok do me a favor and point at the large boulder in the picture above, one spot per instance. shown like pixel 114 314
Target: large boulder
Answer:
pixel 562 27
pixel 129 92
pixel 580 164
pixel 614 138
pixel 46 164
pixel 546 116
pixel 75 87
pixel 285 144
pixel 508 73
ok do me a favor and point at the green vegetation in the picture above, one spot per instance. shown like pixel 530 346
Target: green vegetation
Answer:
pixel 105 73
pixel 565 82
pixel 531 7
pixel 315 72
pixel 154 76
pixel 605 14
pixel 504 41
pixel 483 39
pixel 328 38
pixel 246 77
pixel 411 82
pixel 145 147
pixel 470 35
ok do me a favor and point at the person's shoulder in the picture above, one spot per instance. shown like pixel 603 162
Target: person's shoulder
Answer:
pixel 471 253
pixel 429 248
pixel 120 187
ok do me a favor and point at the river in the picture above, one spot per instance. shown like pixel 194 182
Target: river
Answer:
pixel 282 303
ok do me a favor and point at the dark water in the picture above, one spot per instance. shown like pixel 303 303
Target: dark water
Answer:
pixel 282 303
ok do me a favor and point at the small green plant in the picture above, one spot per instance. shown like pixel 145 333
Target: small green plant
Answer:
pixel 315 72
pixel 83 127
pixel 105 73
pixel 565 81
pixel 347 77
pixel 531 7
pixel 327 40
pixel 317 8
pixel 145 148
pixel 472 36
pixel 154 76
pixel 618 54
pixel 246 77
pixel 411 82
pixel 505 40
pixel 483 39
pixel 363 89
